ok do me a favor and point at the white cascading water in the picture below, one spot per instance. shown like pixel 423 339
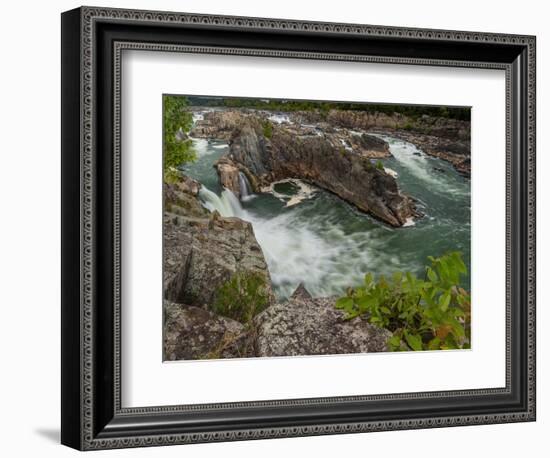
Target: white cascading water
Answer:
pixel 421 166
pixel 295 252
pixel 244 187
pixel 279 118
pixel 226 204
pixel 329 250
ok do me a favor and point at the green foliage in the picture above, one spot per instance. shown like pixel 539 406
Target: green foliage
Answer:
pixel 423 314
pixel 408 126
pixel 242 297
pixel 177 121
pixel 379 165
pixel 267 129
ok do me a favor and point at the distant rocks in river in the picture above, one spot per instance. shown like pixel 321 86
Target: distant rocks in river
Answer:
pixel 219 124
pixel 444 138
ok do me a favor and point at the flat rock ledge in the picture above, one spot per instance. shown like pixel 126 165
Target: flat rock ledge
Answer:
pixel 195 333
pixel 312 326
pixel 300 326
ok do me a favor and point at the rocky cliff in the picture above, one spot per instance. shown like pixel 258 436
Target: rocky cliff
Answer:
pixel 202 251
pixel 317 159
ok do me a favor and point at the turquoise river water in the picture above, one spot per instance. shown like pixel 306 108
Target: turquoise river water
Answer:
pixel 311 236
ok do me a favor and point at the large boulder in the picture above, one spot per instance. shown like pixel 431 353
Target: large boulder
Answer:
pixel 228 172
pixel 194 333
pixel 371 146
pixel 312 326
pixel 180 198
pixel 314 158
pixel 203 253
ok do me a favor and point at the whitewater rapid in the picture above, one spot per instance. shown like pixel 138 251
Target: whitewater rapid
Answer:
pixel 308 235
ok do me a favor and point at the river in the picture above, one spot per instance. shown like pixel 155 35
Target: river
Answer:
pixel 311 236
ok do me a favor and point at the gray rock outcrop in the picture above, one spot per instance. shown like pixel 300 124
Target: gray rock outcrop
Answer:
pixel 203 250
pixel 312 326
pixel 194 333
pixel 314 158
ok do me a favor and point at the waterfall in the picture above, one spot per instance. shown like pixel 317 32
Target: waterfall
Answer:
pixel 244 187
pixel 326 246
pixel 227 204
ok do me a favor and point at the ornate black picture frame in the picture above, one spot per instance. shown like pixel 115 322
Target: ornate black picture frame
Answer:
pixel 92 42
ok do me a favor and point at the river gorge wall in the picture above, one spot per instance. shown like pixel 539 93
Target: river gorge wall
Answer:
pixel 202 252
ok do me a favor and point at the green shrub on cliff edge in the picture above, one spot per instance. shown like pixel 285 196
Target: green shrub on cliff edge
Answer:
pixel 423 314
pixel 176 151
pixel 242 297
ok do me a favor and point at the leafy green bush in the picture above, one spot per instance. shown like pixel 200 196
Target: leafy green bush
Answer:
pixel 423 314
pixel 408 126
pixel 379 165
pixel 242 297
pixel 176 151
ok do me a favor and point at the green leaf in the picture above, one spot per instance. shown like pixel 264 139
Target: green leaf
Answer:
pixel 414 341
pixel 434 344
pixel 414 307
pixel 432 275
pixel 394 342
pixel 456 312
pixel 344 303
pixel 445 300
pixel 367 303
pixel 458 329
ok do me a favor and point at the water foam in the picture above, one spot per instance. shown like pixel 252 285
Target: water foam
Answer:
pixel 326 261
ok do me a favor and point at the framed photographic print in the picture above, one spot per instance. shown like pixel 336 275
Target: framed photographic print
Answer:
pixel 277 228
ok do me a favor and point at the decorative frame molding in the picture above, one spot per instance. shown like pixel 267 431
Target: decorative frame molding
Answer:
pixel 92 414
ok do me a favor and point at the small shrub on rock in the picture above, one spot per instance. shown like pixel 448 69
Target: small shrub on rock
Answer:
pixel 242 297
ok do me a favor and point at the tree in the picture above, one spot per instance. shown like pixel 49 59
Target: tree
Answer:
pixel 178 148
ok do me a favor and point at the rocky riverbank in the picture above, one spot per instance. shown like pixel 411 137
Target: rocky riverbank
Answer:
pixel 444 138
pixel 203 252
